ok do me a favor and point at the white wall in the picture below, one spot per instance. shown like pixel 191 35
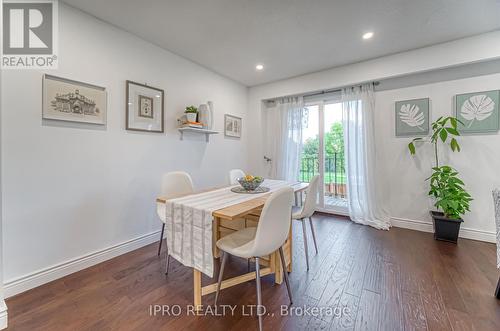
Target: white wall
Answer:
pixel 478 163
pixel 70 189
pixel 486 47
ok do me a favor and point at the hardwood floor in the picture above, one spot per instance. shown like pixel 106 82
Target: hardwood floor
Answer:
pixel 379 280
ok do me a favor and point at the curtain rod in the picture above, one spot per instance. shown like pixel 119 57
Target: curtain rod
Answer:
pixel 375 83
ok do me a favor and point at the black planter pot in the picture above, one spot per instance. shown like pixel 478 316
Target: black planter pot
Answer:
pixel 445 229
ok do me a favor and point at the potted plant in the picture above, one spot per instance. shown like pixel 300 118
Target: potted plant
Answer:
pixel 191 113
pixel 447 189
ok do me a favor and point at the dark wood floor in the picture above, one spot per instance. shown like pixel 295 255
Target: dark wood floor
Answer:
pixel 387 280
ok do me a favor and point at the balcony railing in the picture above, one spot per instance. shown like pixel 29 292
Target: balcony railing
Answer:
pixel 334 176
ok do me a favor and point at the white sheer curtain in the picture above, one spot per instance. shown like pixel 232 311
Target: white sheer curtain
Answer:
pixel 285 128
pixel 358 104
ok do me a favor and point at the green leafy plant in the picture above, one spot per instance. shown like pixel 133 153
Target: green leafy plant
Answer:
pixel 191 109
pixel 446 187
pixel 449 192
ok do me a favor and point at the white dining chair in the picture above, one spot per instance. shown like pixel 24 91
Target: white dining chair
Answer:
pixel 234 174
pixel 306 212
pixel 270 235
pixel 173 184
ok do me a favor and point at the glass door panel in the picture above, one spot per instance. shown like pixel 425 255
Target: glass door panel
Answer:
pixel 334 178
pixel 311 145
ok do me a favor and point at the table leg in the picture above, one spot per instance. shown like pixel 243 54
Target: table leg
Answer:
pixel 197 289
pixel 277 268
pixel 216 236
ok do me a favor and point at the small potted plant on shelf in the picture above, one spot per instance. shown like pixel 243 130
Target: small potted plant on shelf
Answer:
pixel 191 113
pixel 447 189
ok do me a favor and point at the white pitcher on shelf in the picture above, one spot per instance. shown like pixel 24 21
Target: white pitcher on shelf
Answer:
pixel 206 115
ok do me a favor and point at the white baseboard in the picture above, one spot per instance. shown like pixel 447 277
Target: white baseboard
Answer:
pixel 426 226
pixel 3 315
pixel 32 280
pixel 333 212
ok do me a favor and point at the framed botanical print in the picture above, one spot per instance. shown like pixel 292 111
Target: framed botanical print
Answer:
pixel 478 111
pixel 232 126
pixel 70 100
pixel 144 108
pixel 412 117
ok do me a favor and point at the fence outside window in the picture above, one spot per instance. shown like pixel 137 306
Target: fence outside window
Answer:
pixel 334 178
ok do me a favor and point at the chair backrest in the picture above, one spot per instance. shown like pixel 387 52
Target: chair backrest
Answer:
pixel 173 184
pixel 176 183
pixel 234 174
pixel 311 195
pixel 274 223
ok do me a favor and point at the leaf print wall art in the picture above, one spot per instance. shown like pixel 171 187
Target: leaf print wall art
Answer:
pixel 412 117
pixel 478 112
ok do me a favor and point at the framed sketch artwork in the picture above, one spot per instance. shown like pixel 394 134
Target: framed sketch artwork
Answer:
pixel 70 100
pixel 412 117
pixel 478 111
pixel 232 126
pixel 144 108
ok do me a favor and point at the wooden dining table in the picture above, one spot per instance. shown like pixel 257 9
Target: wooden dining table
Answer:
pixel 233 218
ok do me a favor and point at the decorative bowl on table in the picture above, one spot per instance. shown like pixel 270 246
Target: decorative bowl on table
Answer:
pixel 250 183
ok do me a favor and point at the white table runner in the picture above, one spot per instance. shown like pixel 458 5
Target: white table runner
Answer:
pixel 189 223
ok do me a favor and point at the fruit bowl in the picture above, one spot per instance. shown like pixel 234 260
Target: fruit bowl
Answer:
pixel 250 183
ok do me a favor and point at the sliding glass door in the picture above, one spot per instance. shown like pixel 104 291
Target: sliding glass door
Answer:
pixel 323 154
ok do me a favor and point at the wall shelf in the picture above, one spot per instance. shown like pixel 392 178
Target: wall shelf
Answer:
pixel 206 132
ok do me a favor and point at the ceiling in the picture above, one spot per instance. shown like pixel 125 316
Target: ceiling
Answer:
pixel 292 37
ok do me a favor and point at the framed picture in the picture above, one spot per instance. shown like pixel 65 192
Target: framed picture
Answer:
pixel 478 112
pixel 70 100
pixel 232 126
pixel 144 108
pixel 412 117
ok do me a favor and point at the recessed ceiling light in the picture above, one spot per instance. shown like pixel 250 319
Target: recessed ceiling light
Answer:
pixel 367 35
pixel 259 67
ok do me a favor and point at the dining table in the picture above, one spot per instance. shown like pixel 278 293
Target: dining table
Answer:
pixel 233 216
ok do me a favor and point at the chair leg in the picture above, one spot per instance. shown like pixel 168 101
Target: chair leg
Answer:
pixel 497 292
pixel 161 238
pixel 305 242
pixel 314 235
pixel 285 274
pixel 221 272
pixel 168 259
pixel 259 298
